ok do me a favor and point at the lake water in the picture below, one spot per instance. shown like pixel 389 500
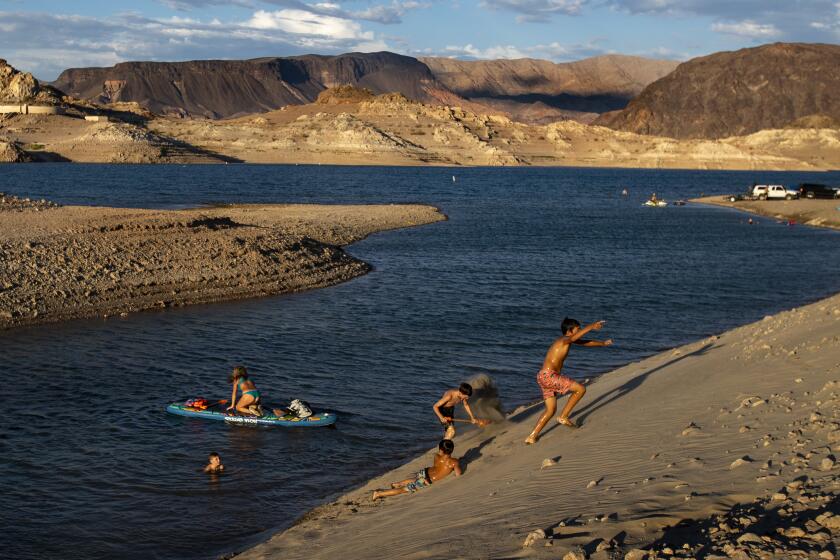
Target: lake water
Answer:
pixel 92 467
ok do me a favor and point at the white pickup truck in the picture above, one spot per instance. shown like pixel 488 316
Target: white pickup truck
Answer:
pixel 773 192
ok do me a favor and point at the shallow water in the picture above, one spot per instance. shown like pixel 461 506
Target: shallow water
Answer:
pixel 92 467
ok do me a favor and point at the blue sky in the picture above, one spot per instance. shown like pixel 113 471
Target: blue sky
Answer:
pixel 47 36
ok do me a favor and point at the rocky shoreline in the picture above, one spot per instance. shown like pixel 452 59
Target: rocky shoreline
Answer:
pixel 69 262
pixel 810 212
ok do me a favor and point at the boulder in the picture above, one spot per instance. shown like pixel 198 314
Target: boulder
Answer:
pixel 533 537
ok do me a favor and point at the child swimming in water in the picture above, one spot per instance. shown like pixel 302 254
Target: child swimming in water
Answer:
pixel 214 466
pixel 249 402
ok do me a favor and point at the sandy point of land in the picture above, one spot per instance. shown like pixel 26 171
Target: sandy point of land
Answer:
pixel 68 262
pixel 812 212
pixel 738 432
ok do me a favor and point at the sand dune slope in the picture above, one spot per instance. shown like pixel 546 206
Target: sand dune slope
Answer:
pixel 681 435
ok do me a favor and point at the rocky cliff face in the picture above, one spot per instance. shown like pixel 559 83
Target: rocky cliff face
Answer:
pixel 737 93
pixel 227 88
pixel 22 87
pixel 529 90
pixel 391 129
pixel 10 152
pixel 537 91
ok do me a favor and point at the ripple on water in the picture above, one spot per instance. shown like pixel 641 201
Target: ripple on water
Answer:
pixel 100 465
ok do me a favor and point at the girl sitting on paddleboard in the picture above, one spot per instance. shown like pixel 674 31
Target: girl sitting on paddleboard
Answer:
pixel 249 402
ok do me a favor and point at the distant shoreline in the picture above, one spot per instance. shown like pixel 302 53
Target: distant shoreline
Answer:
pixel 809 212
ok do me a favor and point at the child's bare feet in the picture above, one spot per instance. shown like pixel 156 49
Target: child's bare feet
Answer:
pixel 566 422
pixel 532 439
pixel 375 495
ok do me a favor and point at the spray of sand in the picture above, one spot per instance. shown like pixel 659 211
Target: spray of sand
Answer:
pixel 485 402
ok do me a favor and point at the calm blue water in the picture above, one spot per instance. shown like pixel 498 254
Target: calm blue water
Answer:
pixel 102 471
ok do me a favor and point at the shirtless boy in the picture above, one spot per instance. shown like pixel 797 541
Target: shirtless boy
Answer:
pixel 551 381
pixel 444 464
pixel 214 465
pixel 445 408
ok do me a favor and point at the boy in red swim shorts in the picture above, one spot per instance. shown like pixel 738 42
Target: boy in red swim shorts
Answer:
pixel 551 381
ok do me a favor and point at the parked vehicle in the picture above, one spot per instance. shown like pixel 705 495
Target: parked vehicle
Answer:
pixel 781 192
pixel 818 190
pixel 774 192
pixel 759 192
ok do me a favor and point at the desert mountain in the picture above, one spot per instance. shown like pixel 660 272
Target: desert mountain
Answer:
pixel 355 127
pixel 540 91
pixel 228 88
pixel 736 93
pixel 529 90
pixel 22 87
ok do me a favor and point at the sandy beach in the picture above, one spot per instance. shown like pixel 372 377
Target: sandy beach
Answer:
pixel 69 262
pixel 724 447
pixel 811 212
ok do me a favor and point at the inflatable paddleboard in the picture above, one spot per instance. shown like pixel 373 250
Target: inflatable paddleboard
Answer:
pixel 289 421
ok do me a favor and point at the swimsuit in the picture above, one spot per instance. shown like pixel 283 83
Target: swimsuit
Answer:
pixel 447 412
pixel 253 392
pixel 552 382
pixel 422 481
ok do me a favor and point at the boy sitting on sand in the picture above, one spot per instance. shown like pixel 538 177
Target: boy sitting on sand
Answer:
pixel 444 464
pixel 215 465
pixel 552 382
pixel 445 408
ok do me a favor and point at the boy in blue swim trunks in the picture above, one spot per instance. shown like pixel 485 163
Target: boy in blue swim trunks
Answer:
pixel 444 464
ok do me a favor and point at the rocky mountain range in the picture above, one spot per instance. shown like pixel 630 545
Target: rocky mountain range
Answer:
pixel 229 88
pixel 528 90
pixel 539 91
pixel 736 93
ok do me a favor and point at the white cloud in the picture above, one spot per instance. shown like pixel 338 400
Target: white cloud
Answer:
pixel 499 51
pixel 555 51
pixel 748 28
pixel 27 59
pixel 301 22
pixel 377 45
pixel 830 22
pixel 536 10
pixel 89 41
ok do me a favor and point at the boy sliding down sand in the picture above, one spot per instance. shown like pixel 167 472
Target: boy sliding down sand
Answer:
pixel 552 382
pixel 444 464
pixel 445 408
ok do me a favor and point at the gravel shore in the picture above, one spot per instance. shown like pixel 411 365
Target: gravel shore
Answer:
pixel 69 262
pixel 810 212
